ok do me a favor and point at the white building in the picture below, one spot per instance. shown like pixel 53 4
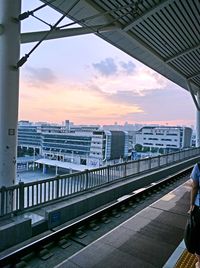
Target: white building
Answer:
pixel 168 138
pixel 83 145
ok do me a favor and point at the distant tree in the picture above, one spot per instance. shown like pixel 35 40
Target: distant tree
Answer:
pixel 138 147
pixel 161 150
pixel 20 152
pixel 146 149
pixel 30 151
pixel 154 149
pixel 24 151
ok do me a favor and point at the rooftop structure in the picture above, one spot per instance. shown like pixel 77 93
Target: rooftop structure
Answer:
pixel 168 138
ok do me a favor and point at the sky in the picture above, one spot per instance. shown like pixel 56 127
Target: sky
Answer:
pixel 88 81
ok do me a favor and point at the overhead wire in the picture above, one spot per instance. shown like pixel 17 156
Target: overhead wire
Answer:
pixel 24 58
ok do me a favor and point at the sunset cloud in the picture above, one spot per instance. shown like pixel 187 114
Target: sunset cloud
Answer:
pixel 139 82
pixel 87 80
pixel 89 103
pixel 111 67
pixel 120 97
pixel 73 101
pixel 106 67
pixel 129 67
pixel 39 77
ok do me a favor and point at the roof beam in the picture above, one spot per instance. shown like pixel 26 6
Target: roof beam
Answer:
pixel 189 50
pixel 131 36
pixel 193 76
pixel 37 36
pixel 151 11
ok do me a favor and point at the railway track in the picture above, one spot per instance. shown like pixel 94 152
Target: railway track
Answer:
pixel 61 243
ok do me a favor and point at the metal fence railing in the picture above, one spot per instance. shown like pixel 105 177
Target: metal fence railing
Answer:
pixel 27 195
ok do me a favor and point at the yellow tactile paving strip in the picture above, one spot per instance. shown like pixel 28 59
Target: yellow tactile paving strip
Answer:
pixel 186 260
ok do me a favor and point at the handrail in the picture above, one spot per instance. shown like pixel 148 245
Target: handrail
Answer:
pixel 24 196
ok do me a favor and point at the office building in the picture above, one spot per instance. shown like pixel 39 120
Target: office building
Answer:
pixel 82 145
pixel 167 138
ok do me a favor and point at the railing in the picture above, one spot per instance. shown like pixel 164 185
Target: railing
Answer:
pixel 28 195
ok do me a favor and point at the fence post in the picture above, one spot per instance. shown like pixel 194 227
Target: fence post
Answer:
pixel 86 179
pixel 108 173
pixel 149 162
pixel 138 166
pixel 166 159
pixel 3 190
pixel 158 160
pixel 173 156
pixel 57 187
pixel 21 196
pixel 125 169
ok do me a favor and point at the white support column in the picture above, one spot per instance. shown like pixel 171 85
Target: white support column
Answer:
pixel 197 104
pixel 198 122
pixel 9 88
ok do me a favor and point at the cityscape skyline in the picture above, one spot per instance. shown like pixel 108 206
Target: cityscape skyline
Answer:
pixel 88 80
pixel 115 124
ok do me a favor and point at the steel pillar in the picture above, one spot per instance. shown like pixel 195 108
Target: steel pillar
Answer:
pixel 198 121
pixel 9 88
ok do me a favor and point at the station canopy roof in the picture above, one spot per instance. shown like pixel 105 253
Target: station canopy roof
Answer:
pixel 65 165
pixel 162 34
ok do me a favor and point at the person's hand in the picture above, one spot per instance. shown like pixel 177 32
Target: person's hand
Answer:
pixel 191 209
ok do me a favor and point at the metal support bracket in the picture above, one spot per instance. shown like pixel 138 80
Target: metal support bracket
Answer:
pixel 37 36
pixel 193 95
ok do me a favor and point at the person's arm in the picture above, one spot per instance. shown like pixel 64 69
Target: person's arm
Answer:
pixel 193 194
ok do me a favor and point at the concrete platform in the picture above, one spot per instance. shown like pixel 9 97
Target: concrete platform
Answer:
pixel 147 240
pixel 181 258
